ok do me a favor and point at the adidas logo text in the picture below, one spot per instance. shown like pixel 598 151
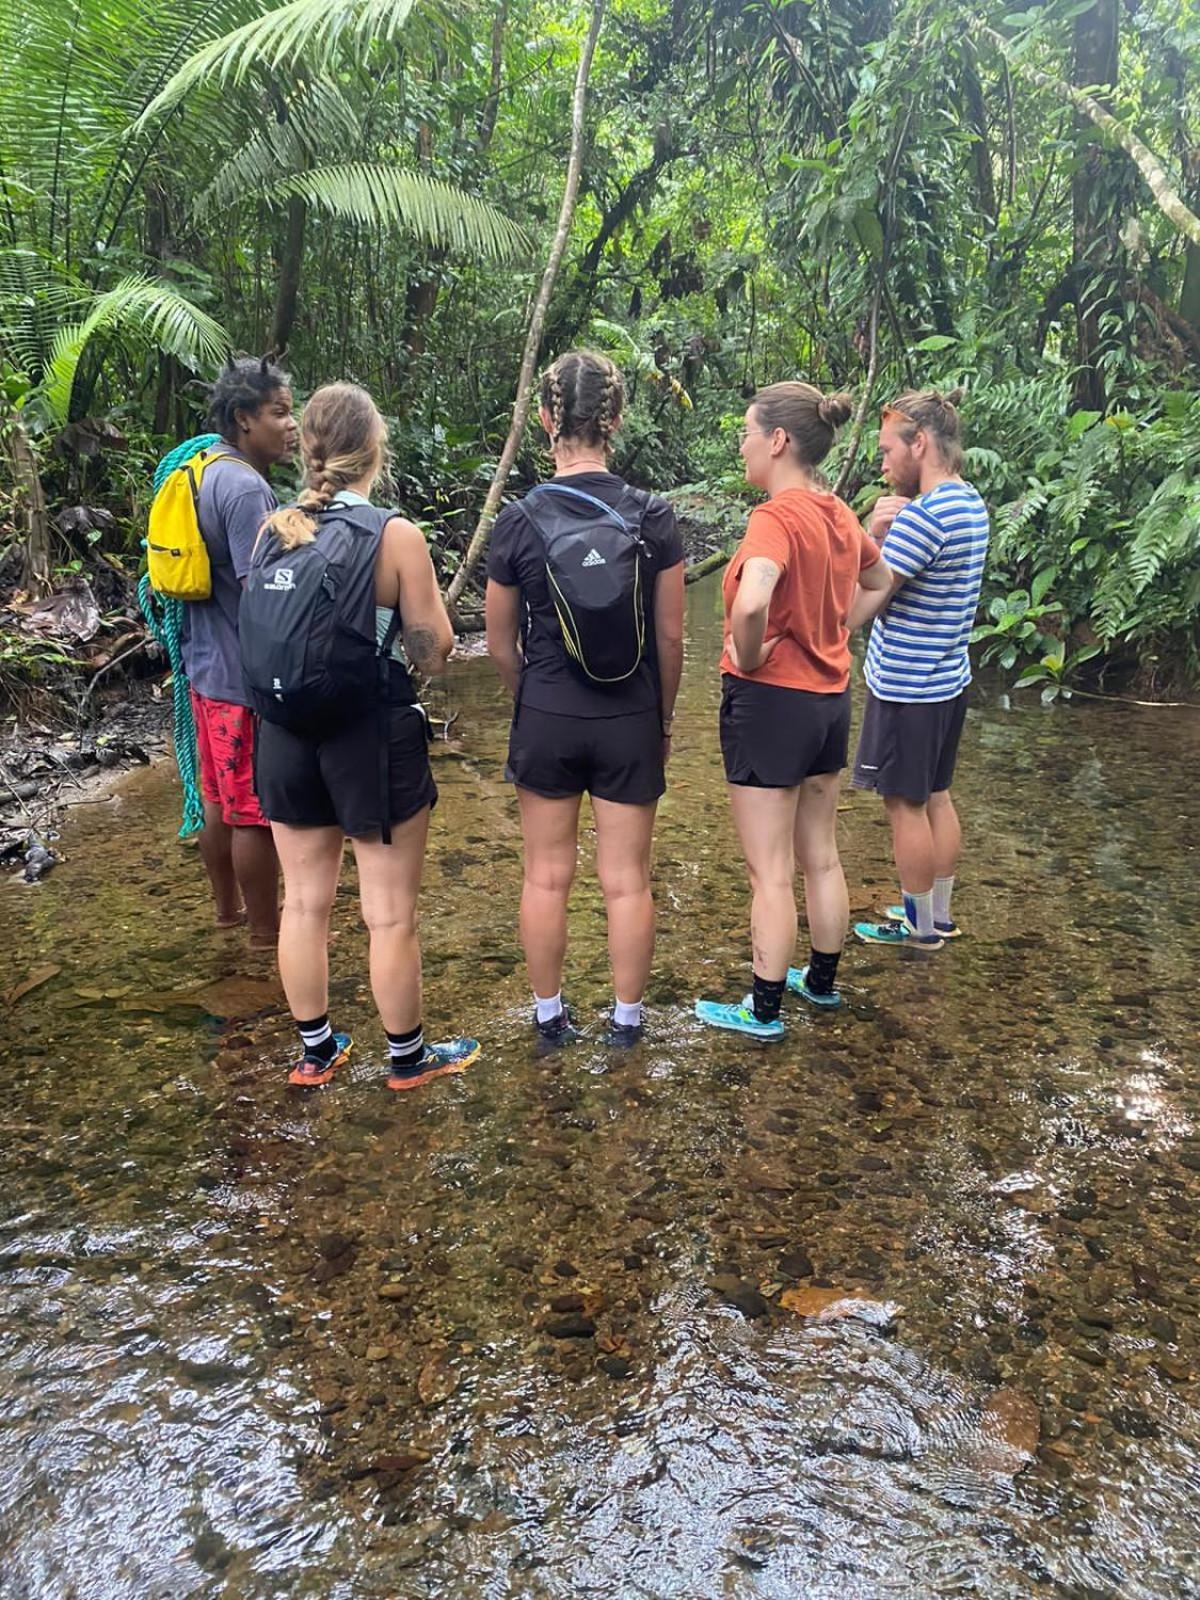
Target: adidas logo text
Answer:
pixel 594 559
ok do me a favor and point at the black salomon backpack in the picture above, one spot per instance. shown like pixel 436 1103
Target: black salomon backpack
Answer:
pixel 595 557
pixel 306 624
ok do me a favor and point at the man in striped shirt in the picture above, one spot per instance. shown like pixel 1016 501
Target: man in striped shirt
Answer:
pixel 917 668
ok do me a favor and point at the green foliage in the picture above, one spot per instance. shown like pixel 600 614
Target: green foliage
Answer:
pixel 1106 532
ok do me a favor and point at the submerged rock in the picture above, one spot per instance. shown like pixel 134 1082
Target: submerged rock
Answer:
pixel 738 1293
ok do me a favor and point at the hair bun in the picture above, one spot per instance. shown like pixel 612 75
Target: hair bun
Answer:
pixel 834 409
pixel 954 397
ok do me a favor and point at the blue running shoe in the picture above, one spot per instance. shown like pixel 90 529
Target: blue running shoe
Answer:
pixel 797 982
pixel 738 1019
pixel 948 930
pixel 893 932
pixel 623 1035
pixel 452 1055
pixel 552 1035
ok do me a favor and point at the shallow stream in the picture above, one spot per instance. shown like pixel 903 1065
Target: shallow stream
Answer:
pixel 535 1331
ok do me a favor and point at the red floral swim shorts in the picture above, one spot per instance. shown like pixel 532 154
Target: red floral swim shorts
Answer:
pixel 225 745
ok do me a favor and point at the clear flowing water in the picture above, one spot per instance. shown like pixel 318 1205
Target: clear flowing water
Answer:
pixel 534 1331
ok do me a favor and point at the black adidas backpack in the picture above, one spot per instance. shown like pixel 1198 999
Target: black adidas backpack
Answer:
pixel 595 556
pixel 306 624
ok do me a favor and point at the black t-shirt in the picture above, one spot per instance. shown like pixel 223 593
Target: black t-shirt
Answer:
pixel 518 559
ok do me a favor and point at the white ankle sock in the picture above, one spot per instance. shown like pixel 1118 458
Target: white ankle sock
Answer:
pixel 547 1010
pixel 943 888
pixel 918 908
pixel 627 1016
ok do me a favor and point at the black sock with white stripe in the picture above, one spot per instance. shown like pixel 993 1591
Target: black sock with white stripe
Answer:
pixel 406 1050
pixel 317 1038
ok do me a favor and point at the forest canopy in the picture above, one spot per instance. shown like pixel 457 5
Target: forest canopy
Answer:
pixel 867 195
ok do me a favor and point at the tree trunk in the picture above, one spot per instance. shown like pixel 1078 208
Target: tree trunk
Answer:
pixel 31 505
pixel 1189 293
pixel 534 332
pixel 486 125
pixel 1095 246
pixel 284 319
pixel 981 153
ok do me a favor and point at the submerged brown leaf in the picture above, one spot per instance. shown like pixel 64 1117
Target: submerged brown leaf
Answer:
pixel 438 1380
pixel 34 980
pixel 1012 1426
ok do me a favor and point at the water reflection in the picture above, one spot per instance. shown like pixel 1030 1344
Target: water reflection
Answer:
pixel 528 1336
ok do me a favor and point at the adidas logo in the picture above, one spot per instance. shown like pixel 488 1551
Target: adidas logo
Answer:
pixel 594 559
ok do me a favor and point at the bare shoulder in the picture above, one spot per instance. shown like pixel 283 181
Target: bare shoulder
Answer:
pixel 403 537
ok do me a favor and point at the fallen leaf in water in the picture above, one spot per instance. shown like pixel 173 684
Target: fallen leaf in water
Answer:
pixel 1012 1426
pixel 831 1305
pixel 438 1380
pixel 35 979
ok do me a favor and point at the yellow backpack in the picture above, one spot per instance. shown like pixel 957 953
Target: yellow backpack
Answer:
pixel 176 555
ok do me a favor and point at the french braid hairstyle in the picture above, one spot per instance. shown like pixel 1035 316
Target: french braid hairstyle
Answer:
pixel 584 393
pixel 245 384
pixel 343 439
pixel 929 411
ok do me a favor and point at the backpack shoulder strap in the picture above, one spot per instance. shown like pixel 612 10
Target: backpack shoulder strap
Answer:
pixel 580 496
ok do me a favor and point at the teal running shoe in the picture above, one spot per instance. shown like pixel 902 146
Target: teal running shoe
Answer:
pixel 797 982
pixel 452 1055
pixel 893 932
pixel 948 930
pixel 738 1019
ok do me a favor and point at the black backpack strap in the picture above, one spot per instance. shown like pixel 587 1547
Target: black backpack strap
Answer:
pixel 374 519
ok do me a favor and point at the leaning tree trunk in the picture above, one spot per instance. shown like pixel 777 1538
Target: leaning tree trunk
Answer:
pixel 533 334
pixel 31 505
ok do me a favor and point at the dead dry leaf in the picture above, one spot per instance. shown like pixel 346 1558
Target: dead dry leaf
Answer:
pixel 33 980
pixel 437 1381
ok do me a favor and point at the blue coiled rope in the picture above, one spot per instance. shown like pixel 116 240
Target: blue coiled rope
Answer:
pixel 164 618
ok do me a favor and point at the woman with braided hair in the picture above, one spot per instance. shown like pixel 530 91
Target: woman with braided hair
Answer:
pixel 251 408
pixel 571 733
pixel 320 785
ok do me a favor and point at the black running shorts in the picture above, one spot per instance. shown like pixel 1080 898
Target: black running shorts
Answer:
pixel 908 748
pixel 774 738
pixel 338 781
pixel 612 758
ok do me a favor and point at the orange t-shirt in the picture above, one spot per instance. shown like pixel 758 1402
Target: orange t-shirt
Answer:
pixel 820 548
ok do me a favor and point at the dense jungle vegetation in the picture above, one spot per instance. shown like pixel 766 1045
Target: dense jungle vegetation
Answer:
pixel 871 194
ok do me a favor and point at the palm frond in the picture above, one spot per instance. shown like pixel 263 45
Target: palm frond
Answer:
pixel 145 308
pixel 429 210
pixel 317 114
pixel 314 28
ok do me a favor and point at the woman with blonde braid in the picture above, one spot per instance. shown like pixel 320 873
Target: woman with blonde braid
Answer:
pixel 369 777
pixel 571 731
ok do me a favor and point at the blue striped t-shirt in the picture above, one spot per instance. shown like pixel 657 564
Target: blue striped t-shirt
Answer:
pixel 918 645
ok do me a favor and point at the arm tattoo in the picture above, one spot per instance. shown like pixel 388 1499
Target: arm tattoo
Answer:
pixel 421 644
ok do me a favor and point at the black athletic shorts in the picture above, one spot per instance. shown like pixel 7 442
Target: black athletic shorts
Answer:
pixel 774 738
pixel 612 758
pixel 338 781
pixel 908 747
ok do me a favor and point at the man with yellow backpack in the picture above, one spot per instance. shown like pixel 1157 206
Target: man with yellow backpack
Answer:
pixel 203 525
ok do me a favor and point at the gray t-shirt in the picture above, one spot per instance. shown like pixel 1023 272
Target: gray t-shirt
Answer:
pixel 234 501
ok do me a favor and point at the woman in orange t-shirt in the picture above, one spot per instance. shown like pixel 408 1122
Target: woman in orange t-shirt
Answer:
pixel 785 702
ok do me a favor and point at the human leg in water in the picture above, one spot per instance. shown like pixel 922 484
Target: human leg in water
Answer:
pixel 216 853
pixel 389 877
pixel 913 849
pixel 826 900
pixel 624 834
pixel 312 862
pixel 765 820
pixel 550 829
